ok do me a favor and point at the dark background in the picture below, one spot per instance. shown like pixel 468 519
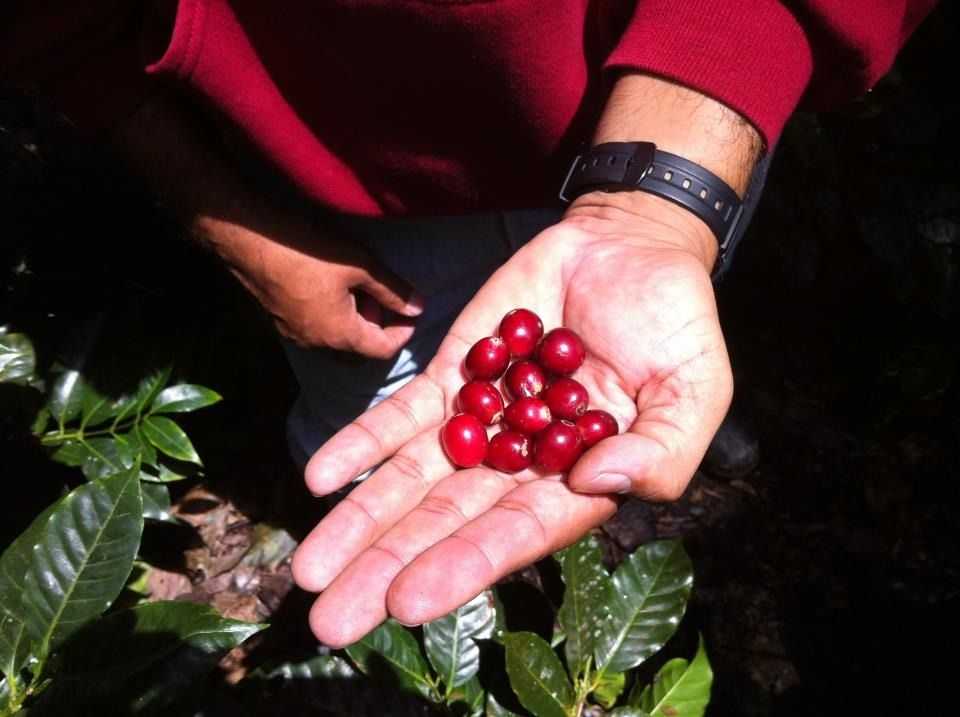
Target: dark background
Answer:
pixel 826 580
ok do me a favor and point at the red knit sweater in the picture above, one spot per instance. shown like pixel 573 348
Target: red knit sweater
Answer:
pixel 446 106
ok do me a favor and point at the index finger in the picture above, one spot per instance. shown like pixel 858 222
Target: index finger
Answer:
pixel 376 434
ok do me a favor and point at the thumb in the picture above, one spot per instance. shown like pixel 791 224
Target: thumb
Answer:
pixel 390 290
pixel 656 458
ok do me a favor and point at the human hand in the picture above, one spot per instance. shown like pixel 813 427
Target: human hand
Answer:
pixel 419 537
pixel 318 290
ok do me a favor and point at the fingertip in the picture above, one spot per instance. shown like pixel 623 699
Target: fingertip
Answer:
pixel 305 573
pixel 319 477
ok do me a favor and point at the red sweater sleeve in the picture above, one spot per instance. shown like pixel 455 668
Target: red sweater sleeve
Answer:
pixel 763 58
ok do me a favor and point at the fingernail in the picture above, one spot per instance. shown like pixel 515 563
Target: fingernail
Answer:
pixel 608 483
pixel 414 306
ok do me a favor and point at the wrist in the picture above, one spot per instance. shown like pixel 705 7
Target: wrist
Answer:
pixel 642 218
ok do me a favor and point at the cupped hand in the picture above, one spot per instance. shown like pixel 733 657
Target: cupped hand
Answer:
pixel 419 537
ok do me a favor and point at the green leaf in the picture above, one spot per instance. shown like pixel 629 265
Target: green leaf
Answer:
pixel 96 408
pixel 66 395
pixel 131 641
pixel 392 647
pixel 15 644
pixel 650 591
pixel 147 390
pixel 17 358
pixel 162 475
pixel 609 688
pixel 586 601
pixel 83 558
pixel 321 667
pixel 450 640
pixel 536 675
pixel 495 709
pixel 184 397
pixel 140 660
pixel 139 446
pixel 169 438
pixel 628 711
pixel 106 457
pixel 71 453
pixel 471 695
pixel 156 502
pixel 680 689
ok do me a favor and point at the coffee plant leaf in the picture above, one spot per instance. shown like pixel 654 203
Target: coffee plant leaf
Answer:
pixel 628 711
pixel 183 398
pixel 537 675
pixel 468 699
pixel 650 592
pixel 137 402
pixel 450 640
pixel 15 643
pixel 83 557
pixel 391 653
pixel 140 446
pixel 170 439
pixel 321 667
pixel 156 502
pixel 609 688
pixel 586 601
pixel 66 396
pixel 495 709
pixel 680 688
pixel 106 456
pixel 140 660
pixel 71 453
pixel 17 358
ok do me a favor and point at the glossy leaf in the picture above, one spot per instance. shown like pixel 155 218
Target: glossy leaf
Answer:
pixel 586 600
pixel 15 643
pixel 83 558
pixel 106 457
pixel 169 438
pixel 537 676
pixel 609 688
pixel 140 660
pixel 147 390
pixel 628 711
pixel 184 397
pixel 393 647
pixel 17 358
pixel 450 640
pixel 321 667
pixel 66 395
pixel 680 689
pixel 156 502
pixel 96 408
pixel 71 453
pixel 470 698
pixel 139 446
pixel 650 592
pixel 130 641
pixel 495 709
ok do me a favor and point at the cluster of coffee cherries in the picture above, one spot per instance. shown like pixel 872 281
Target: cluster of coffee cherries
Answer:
pixel 546 423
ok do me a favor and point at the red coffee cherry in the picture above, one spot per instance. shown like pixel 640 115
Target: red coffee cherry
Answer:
pixel 465 440
pixel 521 329
pixel 566 398
pixel 488 358
pixel 527 415
pixel 510 452
pixel 596 425
pixel 557 447
pixel 524 379
pixel 481 399
pixel 561 352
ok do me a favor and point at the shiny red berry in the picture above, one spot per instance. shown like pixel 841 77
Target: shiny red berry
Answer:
pixel 481 399
pixel 557 447
pixel 524 379
pixel 488 358
pixel 561 352
pixel 521 329
pixel 510 452
pixel 596 425
pixel 465 440
pixel 527 415
pixel 566 398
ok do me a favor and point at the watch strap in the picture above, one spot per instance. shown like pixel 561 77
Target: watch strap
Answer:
pixel 640 166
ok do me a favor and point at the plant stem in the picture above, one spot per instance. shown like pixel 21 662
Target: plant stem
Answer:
pixel 55 437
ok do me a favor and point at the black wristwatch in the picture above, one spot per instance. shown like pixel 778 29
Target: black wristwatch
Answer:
pixel 626 166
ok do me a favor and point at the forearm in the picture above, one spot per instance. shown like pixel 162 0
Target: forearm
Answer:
pixel 681 121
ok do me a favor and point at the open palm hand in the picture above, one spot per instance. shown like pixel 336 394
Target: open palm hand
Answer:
pixel 420 537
